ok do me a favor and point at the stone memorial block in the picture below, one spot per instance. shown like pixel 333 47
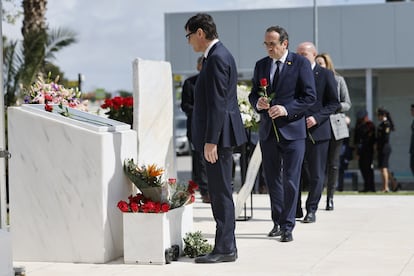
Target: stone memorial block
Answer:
pixel 153 114
pixel 66 178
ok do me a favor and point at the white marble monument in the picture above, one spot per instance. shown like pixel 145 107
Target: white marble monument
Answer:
pixel 66 178
pixel 153 114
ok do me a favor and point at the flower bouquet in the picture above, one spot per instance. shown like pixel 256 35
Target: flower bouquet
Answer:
pixel 147 179
pixel 249 116
pixel 51 93
pixel 120 109
pixel 157 195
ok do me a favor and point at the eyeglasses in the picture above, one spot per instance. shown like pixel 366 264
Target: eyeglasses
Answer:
pixel 270 44
pixel 189 34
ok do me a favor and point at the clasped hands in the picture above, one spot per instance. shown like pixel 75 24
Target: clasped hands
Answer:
pixel 274 111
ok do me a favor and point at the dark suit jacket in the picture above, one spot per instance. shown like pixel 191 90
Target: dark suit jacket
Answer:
pixel 187 100
pixel 295 91
pixel 326 104
pixel 216 116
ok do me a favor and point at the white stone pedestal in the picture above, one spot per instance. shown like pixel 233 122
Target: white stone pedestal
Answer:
pixel 66 178
pixel 6 260
pixel 146 236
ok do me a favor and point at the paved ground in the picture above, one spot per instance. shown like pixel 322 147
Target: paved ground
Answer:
pixel 364 235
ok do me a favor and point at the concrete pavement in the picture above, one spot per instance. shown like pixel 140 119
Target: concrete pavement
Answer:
pixel 364 235
pixel 370 234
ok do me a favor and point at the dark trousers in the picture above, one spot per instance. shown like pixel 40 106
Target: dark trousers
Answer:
pixel 282 163
pixel 199 174
pixel 220 189
pixel 365 166
pixel 316 156
pixel 332 169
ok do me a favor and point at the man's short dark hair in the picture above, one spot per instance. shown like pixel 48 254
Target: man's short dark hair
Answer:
pixel 283 35
pixel 203 21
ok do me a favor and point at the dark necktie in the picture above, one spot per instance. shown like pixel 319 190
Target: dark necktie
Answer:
pixel 276 76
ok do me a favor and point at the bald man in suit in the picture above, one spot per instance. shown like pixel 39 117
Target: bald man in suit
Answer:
pixel 319 129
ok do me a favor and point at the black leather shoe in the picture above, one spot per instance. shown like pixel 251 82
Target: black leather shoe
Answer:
pixel 309 218
pixel 286 236
pixel 329 205
pixel 212 258
pixel 275 231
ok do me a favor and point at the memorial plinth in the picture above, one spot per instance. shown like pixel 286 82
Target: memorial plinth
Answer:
pixel 148 235
pixel 66 177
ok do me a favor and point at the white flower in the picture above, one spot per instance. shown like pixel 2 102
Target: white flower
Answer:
pixel 249 116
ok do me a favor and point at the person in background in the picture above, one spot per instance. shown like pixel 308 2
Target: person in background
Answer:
pixel 412 142
pixel 384 129
pixel 364 140
pixel 319 129
pixel 198 174
pixel 332 169
pixel 216 128
pixel 345 157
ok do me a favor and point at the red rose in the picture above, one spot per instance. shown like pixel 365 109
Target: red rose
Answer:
pixel 165 207
pixel 123 206
pixel 134 207
pixel 263 82
pixel 48 107
pixel 48 98
pixel 172 180
pixel 128 101
pixel 192 185
pixel 192 199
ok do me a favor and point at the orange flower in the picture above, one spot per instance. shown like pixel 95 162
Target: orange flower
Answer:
pixel 154 171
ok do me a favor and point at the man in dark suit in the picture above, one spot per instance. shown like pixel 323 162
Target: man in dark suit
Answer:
pixel 319 129
pixel 217 127
pixel 199 174
pixel 282 129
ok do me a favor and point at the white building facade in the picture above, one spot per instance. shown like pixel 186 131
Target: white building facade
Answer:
pixel 371 46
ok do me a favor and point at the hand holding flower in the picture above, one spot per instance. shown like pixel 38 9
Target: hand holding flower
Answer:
pixel 264 103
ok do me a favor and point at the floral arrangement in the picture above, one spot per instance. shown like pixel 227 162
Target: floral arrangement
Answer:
pixel 120 109
pixel 156 194
pixel 196 245
pixel 249 116
pixel 50 92
pixel 143 176
pixel 139 203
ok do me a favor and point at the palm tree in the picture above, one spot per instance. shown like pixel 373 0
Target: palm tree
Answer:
pixel 24 61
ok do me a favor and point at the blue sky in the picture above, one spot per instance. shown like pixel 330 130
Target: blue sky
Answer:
pixel 113 33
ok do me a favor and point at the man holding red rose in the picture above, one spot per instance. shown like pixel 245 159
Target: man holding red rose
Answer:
pixel 282 131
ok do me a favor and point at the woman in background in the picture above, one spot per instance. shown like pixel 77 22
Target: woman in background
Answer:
pixel 384 129
pixel 324 60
